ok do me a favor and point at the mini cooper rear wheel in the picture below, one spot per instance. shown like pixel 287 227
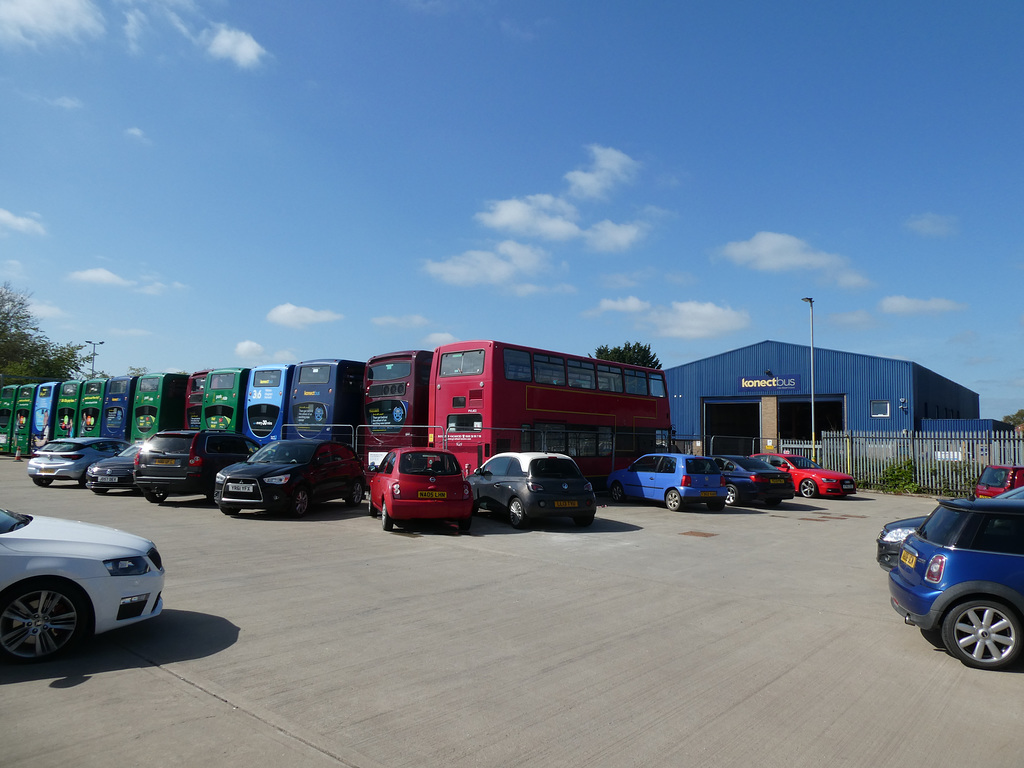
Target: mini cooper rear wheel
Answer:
pixel 984 634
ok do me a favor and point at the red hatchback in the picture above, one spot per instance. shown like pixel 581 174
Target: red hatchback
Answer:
pixel 420 484
pixel 810 478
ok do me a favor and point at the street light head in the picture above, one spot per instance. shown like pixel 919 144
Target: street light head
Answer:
pixel 808 299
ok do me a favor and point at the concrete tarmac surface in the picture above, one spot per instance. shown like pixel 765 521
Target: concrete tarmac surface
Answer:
pixel 749 637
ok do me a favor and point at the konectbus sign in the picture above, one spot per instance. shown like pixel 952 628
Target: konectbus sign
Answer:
pixel 786 383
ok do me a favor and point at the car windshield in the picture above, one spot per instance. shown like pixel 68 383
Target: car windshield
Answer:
pixel 131 450
pixel 283 453
pixel 12 521
pixel 942 527
pixel 60 447
pixel 428 463
pixel 802 462
pixel 554 467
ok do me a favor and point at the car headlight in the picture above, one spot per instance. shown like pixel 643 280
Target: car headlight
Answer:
pixel 127 566
pixel 276 479
pixel 220 478
pixel 897 534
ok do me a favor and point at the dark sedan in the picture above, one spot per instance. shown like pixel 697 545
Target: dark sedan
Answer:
pixel 290 476
pixel 750 480
pixel 891 539
pixel 115 472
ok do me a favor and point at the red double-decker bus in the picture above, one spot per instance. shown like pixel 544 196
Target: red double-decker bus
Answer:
pixel 396 392
pixel 194 400
pixel 488 397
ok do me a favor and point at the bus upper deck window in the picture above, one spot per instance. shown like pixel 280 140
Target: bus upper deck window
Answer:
pixel 468 363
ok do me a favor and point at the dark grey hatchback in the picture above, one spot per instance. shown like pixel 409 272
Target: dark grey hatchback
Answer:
pixel 533 484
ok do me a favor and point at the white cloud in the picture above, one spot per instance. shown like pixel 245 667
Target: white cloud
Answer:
pixel 902 305
pixel 292 316
pixel 223 42
pixel 628 304
pixel 34 22
pixel 135 23
pixel 544 216
pixel 65 102
pixel 249 350
pixel 23 224
pixel 12 268
pixel 608 236
pixel 432 340
pixel 137 134
pixel 860 318
pixel 609 167
pixel 45 310
pixel 100 276
pixel 775 252
pixel 932 225
pixel 697 320
pixel 503 266
pixel 406 321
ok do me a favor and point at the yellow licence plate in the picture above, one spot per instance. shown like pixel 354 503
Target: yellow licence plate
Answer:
pixel 163 461
pixel 432 495
pixel 908 559
pixel 47 471
pixel 566 504
pixel 778 480
pixel 708 493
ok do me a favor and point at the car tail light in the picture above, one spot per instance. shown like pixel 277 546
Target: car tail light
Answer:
pixel 933 574
pixel 195 461
pixel 71 456
pixel 396 490
pixel 588 487
pixel 684 481
pixel 721 480
pixel 754 479
pixel 466 491
pixel 532 486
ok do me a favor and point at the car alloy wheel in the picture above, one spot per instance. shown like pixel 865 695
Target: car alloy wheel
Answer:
pixel 41 619
pixel 732 495
pixel 983 634
pixel 300 502
pixel 516 514
pixel 808 489
pixel 673 500
pixel 385 519
pixel 355 497
pixel 618 492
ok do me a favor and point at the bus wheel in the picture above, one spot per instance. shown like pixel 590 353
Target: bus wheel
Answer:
pixel 673 500
pixel 618 492
pixel 516 514
pixel 385 519
pixel 300 502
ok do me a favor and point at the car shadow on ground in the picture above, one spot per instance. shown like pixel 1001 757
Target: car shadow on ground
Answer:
pixel 492 523
pixel 171 636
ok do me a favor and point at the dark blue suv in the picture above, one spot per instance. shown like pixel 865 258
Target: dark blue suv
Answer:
pixel 962 573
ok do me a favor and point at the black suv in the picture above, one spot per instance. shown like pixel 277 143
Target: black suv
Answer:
pixel 186 462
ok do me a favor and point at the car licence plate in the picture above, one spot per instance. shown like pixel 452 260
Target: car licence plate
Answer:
pixel 777 481
pixel 708 493
pixel 908 559
pixel 164 461
pixel 432 495
pixel 47 471
pixel 566 503
pixel 847 484
pixel 106 479
pixel 240 487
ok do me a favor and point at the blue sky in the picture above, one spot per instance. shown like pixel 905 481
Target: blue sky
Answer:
pixel 215 183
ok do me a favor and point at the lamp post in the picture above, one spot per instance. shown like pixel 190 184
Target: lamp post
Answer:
pixel 814 452
pixel 94 345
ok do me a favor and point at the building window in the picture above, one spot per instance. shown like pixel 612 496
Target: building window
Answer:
pixel 880 409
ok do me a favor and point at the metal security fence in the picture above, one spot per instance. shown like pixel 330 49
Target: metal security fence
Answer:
pixel 947 463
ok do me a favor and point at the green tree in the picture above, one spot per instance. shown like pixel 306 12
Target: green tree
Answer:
pixel 633 353
pixel 24 350
pixel 1016 419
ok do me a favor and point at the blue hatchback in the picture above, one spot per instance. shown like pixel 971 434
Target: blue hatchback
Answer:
pixel 673 479
pixel 962 573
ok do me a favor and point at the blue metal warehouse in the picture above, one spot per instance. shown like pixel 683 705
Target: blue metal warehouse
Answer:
pixel 764 391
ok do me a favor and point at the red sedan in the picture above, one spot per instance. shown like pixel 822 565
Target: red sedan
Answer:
pixel 420 484
pixel 810 478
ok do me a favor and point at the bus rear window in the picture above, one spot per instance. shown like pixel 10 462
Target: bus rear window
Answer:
pixel 314 374
pixel 94 388
pixel 69 388
pixel 118 387
pixel 222 381
pixel 267 379
pixel 468 363
pixel 389 371
pixel 149 384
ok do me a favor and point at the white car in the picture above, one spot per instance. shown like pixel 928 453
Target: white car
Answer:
pixel 61 581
